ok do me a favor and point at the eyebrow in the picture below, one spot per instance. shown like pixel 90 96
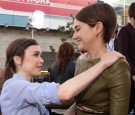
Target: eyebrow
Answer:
pixel 37 52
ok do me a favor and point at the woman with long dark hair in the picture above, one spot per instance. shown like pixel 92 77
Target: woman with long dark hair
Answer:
pixel 63 69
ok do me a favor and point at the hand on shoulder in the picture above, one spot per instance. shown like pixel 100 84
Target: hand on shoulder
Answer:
pixel 111 57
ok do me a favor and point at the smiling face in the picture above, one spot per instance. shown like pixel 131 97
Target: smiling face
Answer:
pixel 84 35
pixel 32 62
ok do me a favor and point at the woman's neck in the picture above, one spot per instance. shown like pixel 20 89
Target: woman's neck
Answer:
pixel 96 52
pixel 96 49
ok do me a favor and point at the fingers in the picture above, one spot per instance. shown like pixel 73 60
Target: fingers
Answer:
pixel 117 54
pixel 112 56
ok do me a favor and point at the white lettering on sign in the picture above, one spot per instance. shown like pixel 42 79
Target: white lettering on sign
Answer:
pixel 39 1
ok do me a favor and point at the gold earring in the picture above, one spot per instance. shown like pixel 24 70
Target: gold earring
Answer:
pixel 97 34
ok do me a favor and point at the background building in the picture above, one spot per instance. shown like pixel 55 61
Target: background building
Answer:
pixel 121 9
pixel 16 14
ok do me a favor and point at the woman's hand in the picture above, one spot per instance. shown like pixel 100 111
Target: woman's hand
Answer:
pixel 111 57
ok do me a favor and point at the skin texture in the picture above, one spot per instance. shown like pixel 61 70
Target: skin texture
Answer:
pixel 31 64
pixel 90 39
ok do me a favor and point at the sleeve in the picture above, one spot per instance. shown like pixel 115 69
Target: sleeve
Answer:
pixel 32 93
pixel 119 88
pixel 78 66
pixel 123 44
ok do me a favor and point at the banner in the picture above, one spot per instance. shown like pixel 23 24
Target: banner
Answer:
pixel 50 7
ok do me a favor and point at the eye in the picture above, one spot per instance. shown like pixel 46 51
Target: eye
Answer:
pixel 36 54
pixel 77 30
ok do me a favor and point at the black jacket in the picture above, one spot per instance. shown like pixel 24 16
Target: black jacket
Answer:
pixel 63 76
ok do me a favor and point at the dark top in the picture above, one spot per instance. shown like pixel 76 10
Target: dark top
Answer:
pixel 116 44
pixel 126 44
pixel 65 75
pixel 46 78
pixel 61 78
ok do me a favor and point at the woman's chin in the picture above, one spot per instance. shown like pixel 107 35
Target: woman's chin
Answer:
pixel 37 74
pixel 81 48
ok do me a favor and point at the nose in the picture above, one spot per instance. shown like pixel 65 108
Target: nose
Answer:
pixel 41 60
pixel 74 36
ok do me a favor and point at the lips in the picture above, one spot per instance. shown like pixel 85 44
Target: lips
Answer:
pixel 78 41
pixel 39 67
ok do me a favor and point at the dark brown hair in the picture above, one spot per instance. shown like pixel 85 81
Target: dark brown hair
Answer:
pixel 15 48
pixel 99 12
pixel 131 10
pixel 65 54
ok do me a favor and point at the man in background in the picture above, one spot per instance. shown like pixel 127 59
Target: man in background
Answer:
pixel 126 44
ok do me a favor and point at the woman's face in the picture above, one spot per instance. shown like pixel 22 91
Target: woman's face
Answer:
pixel 32 62
pixel 84 35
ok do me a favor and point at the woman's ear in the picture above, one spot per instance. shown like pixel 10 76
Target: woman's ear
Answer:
pixel 99 27
pixel 17 60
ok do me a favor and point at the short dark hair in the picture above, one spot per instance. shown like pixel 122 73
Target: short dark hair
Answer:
pixel 99 12
pixel 131 10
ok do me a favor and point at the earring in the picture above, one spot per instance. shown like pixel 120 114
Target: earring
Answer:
pixel 97 34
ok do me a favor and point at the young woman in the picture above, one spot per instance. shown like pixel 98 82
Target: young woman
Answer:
pixel 109 94
pixel 62 70
pixel 23 61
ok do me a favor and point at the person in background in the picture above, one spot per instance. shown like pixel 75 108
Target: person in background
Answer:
pixel 113 43
pixel 109 94
pixel 19 96
pixel 126 44
pixel 46 78
pixel 62 70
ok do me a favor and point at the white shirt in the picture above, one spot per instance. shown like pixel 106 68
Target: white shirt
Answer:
pixel 110 45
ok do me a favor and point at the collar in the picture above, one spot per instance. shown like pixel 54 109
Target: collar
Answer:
pixel 18 76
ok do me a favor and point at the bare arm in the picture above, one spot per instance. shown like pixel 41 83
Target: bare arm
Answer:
pixel 74 86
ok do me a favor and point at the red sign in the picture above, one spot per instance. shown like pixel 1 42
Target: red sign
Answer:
pixel 51 7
